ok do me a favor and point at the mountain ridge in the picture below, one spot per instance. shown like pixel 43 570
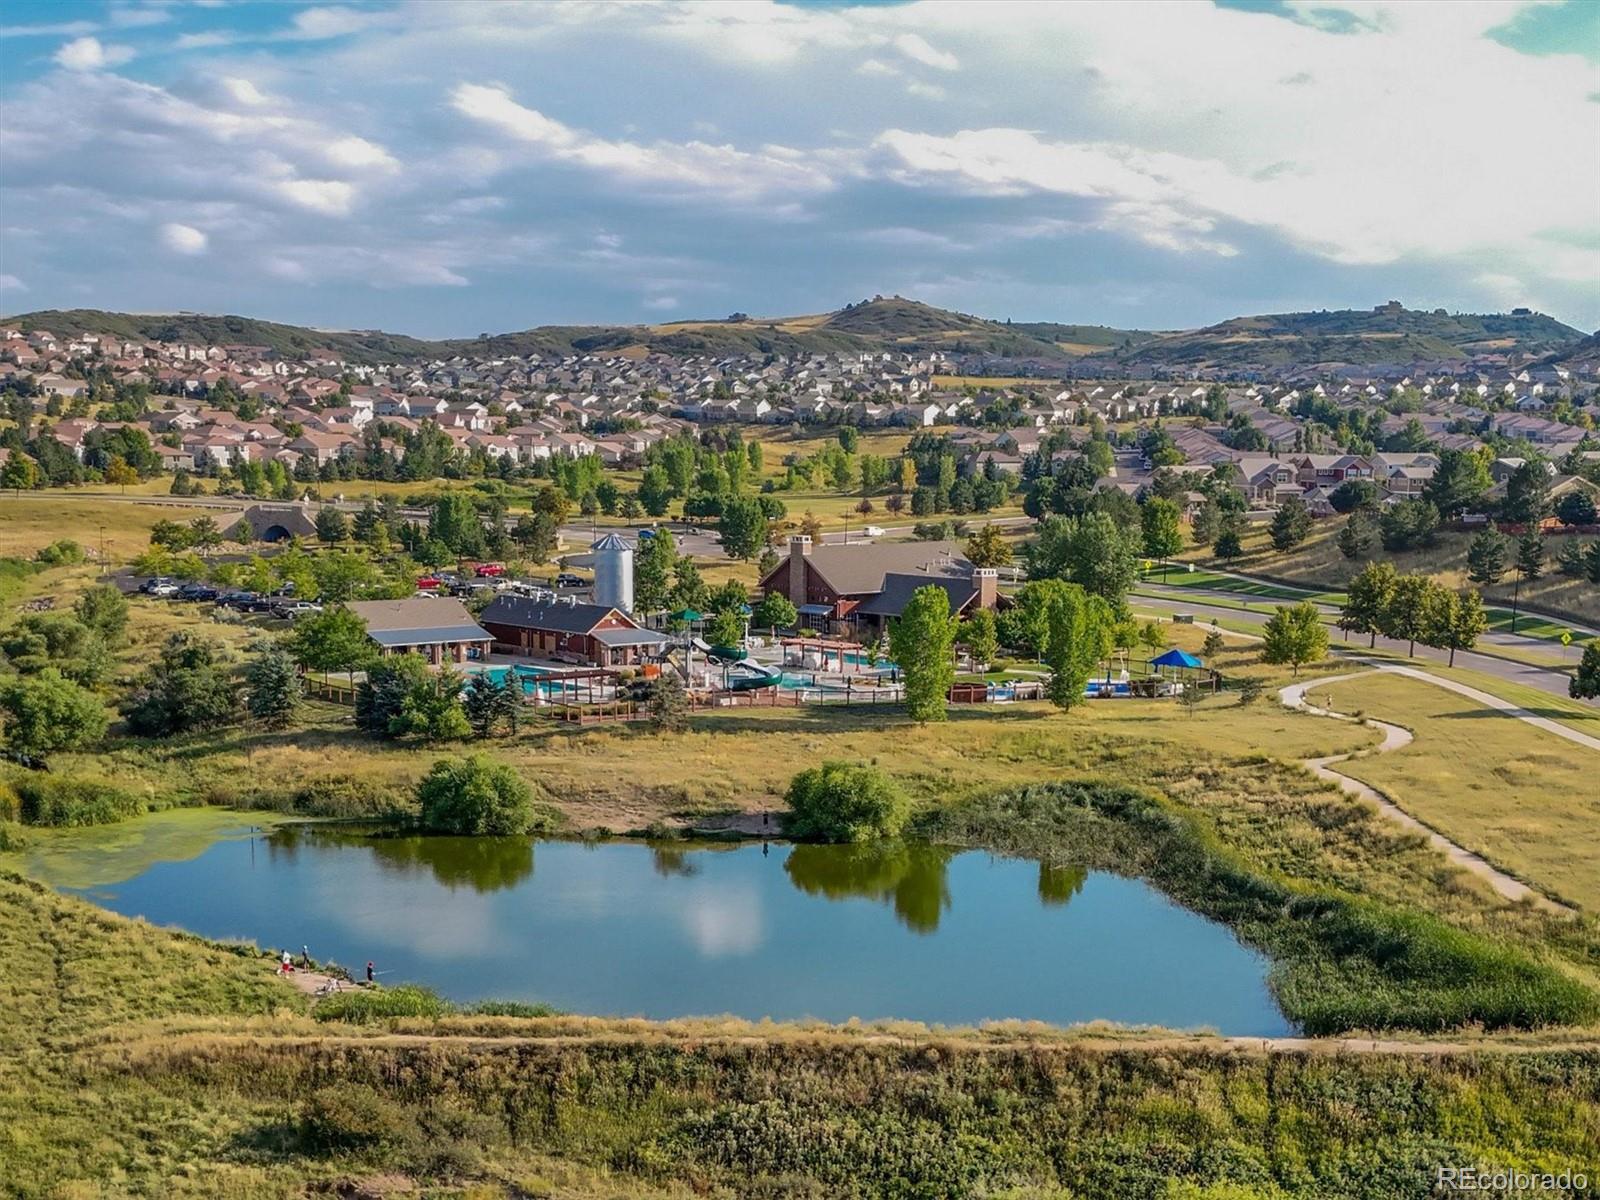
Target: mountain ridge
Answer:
pixel 1388 333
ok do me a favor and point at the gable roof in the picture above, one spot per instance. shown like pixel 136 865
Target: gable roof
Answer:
pixel 525 612
pixel 418 620
pixel 854 570
pixel 898 589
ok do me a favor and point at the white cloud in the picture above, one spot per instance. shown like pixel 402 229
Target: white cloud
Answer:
pixel 183 239
pixel 244 92
pixel 360 154
pixel 916 48
pixel 694 166
pixel 661 303
pixel 89 54
pixel 318 23
pixel 329 197
pixel 58 29
pixel 10 283
pixel 204 41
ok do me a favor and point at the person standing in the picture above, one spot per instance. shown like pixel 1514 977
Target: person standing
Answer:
pixel 286 967
pixel 369 972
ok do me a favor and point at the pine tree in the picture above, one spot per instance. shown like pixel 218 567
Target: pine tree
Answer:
pixel 273 684
pixel 669 705
pixel 1530 555
pixel 1486 557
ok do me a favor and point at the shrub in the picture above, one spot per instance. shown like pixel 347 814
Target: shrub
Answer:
pixel 336 795
pixel 845 802
pixel 346 1117
pixel 369 1005
pixel 511 1008
pixel 64 553
pixel 476 797
pixel 12 837
pixel 65 801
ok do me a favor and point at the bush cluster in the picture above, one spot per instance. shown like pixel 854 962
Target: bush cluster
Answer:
pixel 58 800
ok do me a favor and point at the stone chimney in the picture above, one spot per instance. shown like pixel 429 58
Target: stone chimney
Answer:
pixel 799 551
pixel 987 581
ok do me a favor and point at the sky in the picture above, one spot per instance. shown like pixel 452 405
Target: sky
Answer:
pixel 449 167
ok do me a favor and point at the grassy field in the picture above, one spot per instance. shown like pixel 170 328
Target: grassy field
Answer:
pixel 1317 563
pixel 139 1062
pixel 32 521
pixel 1522 798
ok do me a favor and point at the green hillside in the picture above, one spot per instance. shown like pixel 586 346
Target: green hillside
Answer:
pixel 1390 334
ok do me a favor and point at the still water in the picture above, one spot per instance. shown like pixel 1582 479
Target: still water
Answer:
pixel 623 928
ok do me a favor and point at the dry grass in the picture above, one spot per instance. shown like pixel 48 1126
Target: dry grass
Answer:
pixel 1523 798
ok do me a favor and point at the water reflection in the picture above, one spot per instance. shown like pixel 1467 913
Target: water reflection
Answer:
pixel 909 877
pixel 1058 885
pixel 671 859
pixel 484 864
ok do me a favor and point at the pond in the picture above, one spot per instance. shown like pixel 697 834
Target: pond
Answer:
pixel 662 930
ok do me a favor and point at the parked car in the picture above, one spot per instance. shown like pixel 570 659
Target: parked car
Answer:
pixel 646 534
pixel 197 591
pixel 237 600
pixel 568 580
pixel 490 570
pixel 429 583
pixel 161 585
pixel 289 610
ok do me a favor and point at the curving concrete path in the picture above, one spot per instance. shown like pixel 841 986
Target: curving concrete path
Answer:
pixel 1394 738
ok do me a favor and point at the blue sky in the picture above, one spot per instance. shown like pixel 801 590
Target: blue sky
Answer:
pixel 451 168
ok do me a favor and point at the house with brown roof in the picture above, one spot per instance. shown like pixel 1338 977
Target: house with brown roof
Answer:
pixel 864 586
pixel 554 626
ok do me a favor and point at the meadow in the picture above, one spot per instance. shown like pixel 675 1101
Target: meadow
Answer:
pixel 1522 798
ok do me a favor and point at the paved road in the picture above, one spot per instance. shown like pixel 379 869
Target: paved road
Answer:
pixel 1224 599
pixel 1545 679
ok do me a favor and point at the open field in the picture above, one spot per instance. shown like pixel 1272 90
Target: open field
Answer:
pixel 1519 797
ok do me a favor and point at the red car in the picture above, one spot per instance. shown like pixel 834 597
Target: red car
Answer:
pixel 429 583
pixel 489 570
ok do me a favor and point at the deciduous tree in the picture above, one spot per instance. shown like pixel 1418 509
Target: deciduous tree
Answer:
pixel 1295 635
pixel 921 641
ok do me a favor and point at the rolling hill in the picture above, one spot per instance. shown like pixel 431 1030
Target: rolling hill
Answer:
pixel 1390 334
pixel 1384 335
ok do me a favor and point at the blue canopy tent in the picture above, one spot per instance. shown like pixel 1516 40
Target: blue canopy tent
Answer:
pixel 1176 658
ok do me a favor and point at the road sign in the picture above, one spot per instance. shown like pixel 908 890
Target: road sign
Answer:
pixel 1566 637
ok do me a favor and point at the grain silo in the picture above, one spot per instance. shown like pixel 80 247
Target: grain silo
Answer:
pixel 613 572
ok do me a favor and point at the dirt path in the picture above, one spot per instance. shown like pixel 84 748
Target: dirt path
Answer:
pixel 969 1041
pixel 309 981
pixel 1395 738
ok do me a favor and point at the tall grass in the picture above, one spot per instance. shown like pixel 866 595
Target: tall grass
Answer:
pixel 1341 962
